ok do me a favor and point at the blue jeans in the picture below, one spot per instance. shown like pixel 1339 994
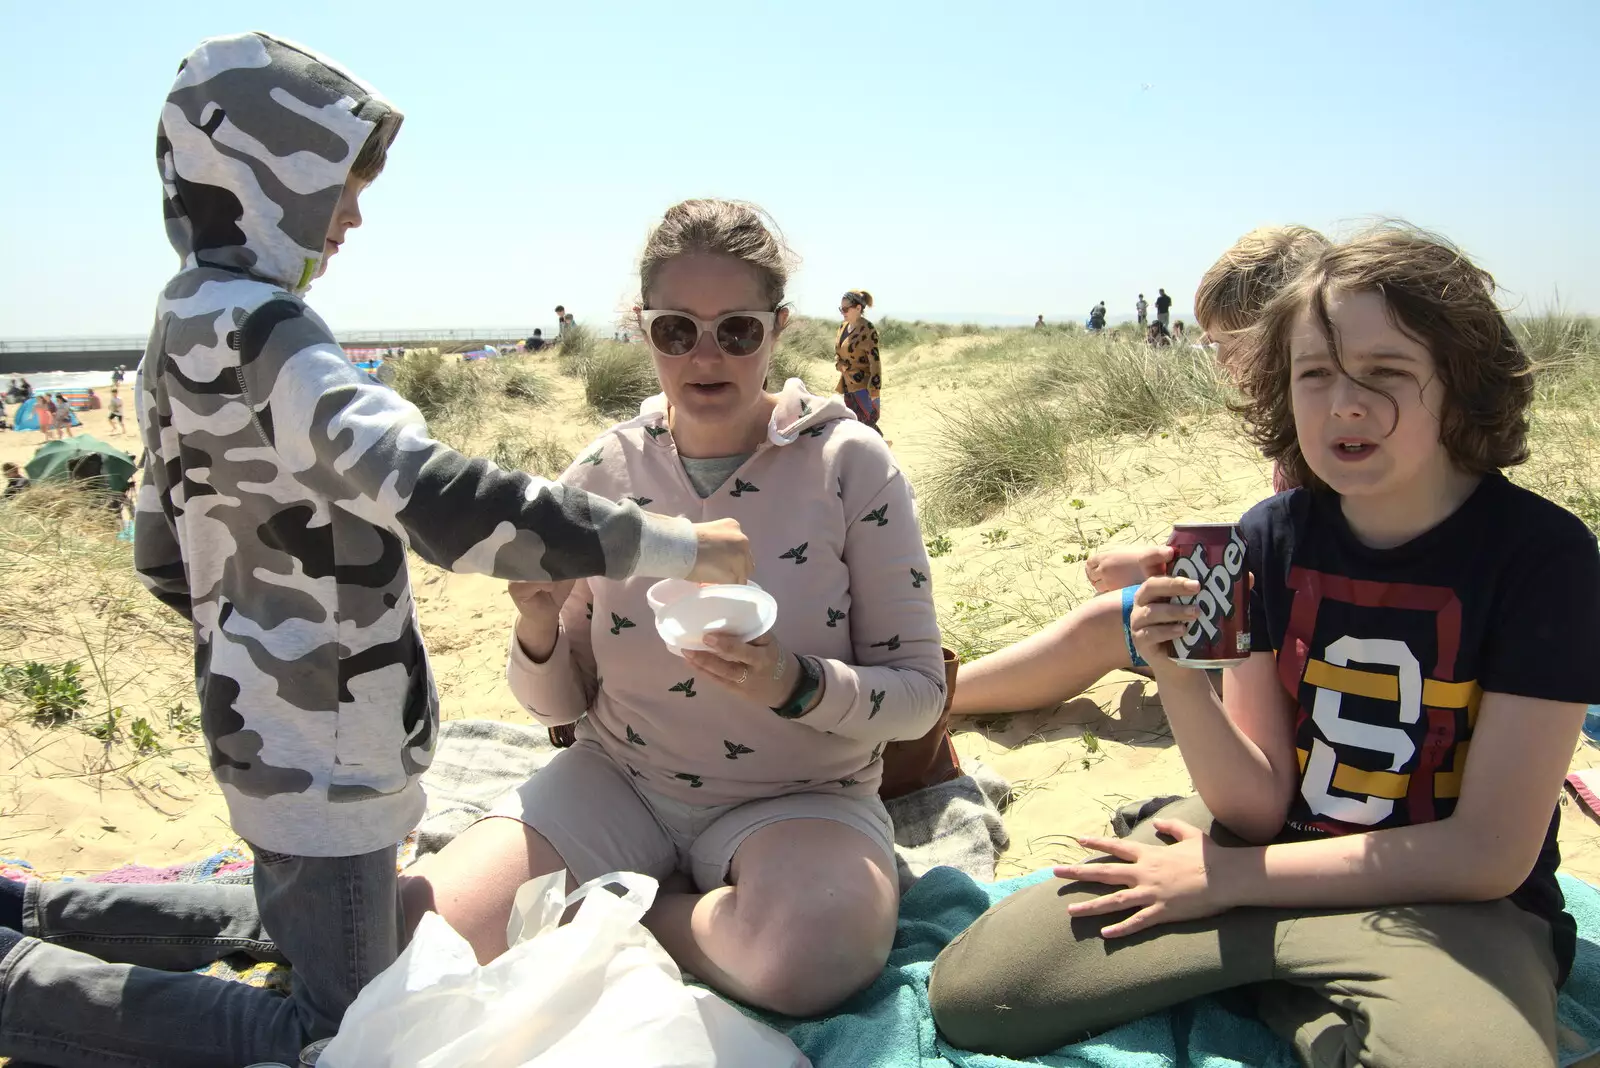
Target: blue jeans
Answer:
pixel 102 978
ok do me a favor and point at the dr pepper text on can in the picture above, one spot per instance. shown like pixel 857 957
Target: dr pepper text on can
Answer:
pixel 1212 554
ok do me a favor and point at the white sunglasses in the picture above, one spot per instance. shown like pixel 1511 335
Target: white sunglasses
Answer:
pixel 737 334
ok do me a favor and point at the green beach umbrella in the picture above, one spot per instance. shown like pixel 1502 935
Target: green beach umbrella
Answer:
pixel 56 460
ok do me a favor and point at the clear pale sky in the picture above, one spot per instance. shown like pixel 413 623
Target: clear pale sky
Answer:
pixel 961 163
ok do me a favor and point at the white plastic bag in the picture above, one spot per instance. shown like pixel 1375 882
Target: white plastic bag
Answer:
pixel 597 991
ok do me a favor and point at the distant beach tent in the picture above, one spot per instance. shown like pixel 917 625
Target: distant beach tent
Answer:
pixel 80 399
pixel 60 461
pixel 27 415
pixel 368 360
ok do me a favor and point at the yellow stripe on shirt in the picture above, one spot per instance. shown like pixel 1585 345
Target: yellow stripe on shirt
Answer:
pixel 1382 686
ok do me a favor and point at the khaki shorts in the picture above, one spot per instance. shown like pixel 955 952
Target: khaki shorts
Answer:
pixel 586 806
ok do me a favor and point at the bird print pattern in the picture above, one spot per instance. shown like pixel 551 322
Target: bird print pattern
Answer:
pixel 856 514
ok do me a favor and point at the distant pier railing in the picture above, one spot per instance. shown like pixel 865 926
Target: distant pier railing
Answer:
pixel 34 355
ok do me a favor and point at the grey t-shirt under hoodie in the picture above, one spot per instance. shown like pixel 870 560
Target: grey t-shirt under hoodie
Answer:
pixel 707 475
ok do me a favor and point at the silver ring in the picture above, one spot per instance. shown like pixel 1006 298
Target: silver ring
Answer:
pixel 743 675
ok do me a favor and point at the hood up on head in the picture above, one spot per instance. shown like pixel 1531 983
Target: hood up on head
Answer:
pixel 257 138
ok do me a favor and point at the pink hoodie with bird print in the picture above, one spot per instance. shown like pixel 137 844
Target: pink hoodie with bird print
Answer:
pixel 832 524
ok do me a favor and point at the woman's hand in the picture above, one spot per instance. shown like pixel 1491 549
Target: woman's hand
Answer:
pixel 759 669
pixel 1165 883
pixel 539 615
pixel 1113 569
pixel 1156 621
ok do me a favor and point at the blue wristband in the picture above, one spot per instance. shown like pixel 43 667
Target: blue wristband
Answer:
pixel 1127 634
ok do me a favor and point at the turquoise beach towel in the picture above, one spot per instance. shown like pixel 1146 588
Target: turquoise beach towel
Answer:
pixel 889 1024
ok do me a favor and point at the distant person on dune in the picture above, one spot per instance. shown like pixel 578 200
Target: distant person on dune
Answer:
pixel 1142 310
pixel 561 321
pixel 855 354
pixel 1038 324
pixel 1163 307
pixel 536 342
pixel 1097 316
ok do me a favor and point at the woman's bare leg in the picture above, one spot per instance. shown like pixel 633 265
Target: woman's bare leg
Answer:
pixel 808 921
pixel 1059 662
pixel 473 881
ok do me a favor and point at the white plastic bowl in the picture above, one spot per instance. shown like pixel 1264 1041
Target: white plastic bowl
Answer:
pixel 687 611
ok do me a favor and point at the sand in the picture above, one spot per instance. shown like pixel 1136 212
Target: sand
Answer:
pixel 73 805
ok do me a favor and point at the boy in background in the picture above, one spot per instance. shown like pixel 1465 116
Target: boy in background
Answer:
pixel 114 412
pixel 282 487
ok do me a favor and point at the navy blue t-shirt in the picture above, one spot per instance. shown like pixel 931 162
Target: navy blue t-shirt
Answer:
pixel 1387 653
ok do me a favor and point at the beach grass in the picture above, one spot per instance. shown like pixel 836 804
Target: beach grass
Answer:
pixel 1028 449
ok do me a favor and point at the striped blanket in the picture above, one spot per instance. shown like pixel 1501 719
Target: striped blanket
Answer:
pixel 955 824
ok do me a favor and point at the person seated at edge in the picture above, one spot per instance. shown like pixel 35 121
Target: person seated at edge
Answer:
pixel 1061 660
pixel 14 481
pixel 1370 864
pixel 745 777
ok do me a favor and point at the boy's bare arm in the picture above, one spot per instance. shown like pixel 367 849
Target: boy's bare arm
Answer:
pixel 1239 750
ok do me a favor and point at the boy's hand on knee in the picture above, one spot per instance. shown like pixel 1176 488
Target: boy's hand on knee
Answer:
pixel 722 553
pixel 1161 883
pixel 1114 569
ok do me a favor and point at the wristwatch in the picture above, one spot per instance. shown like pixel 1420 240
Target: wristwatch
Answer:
pixel 805 688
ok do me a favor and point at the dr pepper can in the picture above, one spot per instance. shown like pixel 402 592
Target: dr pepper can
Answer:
pixel 1212 554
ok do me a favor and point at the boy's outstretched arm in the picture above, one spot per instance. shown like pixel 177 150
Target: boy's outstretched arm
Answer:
pixel 367 448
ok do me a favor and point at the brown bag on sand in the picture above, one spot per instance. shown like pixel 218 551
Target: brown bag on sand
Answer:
pixel 926 761
pixel 907 766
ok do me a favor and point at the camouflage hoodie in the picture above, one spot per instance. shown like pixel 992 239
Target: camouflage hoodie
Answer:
pixel 282 486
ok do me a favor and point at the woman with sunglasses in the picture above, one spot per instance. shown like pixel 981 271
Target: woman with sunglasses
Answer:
pixel 745 777
pixel 855 354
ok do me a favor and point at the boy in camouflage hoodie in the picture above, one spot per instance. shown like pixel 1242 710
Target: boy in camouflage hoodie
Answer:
pixel 281 489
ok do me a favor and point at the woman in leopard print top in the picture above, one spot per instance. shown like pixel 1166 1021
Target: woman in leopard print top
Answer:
pixel 855 354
